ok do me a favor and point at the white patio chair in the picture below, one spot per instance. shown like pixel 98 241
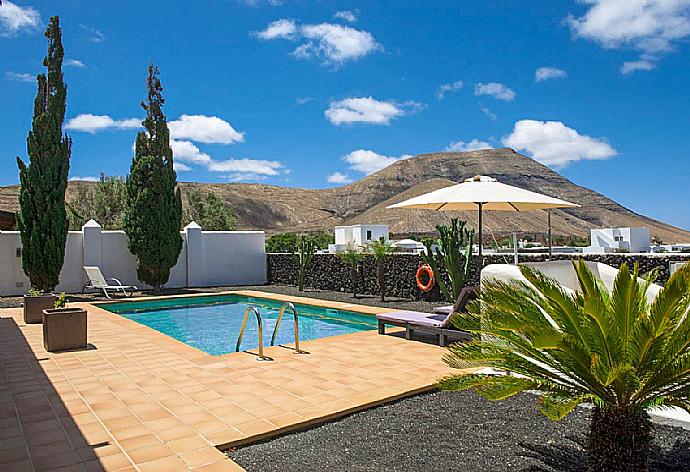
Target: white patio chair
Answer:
pixel 97 281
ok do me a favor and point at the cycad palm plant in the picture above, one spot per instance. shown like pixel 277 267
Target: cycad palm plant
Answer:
pixel 614 350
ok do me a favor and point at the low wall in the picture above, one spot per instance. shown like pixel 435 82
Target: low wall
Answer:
pixel 328 272
pixel 207 259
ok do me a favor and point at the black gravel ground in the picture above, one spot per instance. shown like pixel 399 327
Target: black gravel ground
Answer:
pixel 449 431
pixel 372 300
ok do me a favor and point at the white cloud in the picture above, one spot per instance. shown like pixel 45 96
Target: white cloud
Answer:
pixel 186 151
pixel 247 166
pixel 449 87
pixel 338 178
pixel 647 25
pixel 346 15
pixel 20 76
pixel 651 27
pixel 284 29
pixel 89 178
pixel 333 43
pixel 474 145
pixel 74 63
pixel 258 3
pixel 95 35
pixel 89 123
pixel 546 73
pixel 368 110
pixel 368 162
pixel 180 167
pixel 237 169
pixel 494 89
pixel 199 128
pixel 553 143
pixel 633 66
pixel 14 18
pixel 491 115
pixel 204 129
pixel 303 100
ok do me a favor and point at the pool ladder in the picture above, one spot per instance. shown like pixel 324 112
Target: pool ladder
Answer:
pixel 291 306
pixel 260 329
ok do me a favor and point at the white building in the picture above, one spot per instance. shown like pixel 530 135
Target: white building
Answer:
pixel 409 245
pixel 605 240
pixel 357 236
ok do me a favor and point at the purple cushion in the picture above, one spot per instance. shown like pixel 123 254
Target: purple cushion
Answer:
pixel 416 318
pixel 444 310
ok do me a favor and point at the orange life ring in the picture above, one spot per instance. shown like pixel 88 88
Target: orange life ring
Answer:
pixel 425 269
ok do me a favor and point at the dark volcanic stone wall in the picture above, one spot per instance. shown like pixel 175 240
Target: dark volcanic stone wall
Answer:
pixel 328 272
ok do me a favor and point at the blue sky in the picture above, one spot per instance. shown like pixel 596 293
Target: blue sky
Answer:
pixel 315 94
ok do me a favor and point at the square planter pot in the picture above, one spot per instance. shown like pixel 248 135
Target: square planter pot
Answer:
pixel 64 328
pixel 34 306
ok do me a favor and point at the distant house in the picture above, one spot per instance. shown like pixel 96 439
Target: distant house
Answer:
pixel 605 240
pixel 680 247
pixel 357 236
pixel 409 245
pixel 8 220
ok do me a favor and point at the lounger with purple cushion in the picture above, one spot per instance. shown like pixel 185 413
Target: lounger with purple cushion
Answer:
pixel 434 323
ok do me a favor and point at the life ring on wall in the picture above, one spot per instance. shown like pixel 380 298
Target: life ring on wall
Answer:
pixel 428 271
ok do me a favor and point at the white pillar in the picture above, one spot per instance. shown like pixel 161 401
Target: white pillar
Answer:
pixel 91 243
pixel 195 263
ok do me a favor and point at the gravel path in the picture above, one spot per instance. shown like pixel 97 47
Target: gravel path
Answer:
pixel 403 304
pixel 448 431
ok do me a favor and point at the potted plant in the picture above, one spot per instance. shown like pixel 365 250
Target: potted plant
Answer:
pixel 64 327
pixel 35 301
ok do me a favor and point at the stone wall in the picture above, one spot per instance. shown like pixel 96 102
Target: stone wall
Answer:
pixel 328 272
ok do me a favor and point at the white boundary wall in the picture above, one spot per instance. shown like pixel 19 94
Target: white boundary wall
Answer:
pixel 207 259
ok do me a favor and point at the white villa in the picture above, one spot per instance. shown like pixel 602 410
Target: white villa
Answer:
pixel 604 240
pixel 357 236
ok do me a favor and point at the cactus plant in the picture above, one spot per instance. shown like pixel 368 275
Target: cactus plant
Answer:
pixel 454 253
pixel 305 252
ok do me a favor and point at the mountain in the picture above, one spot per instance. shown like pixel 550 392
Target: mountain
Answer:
pixel 279 209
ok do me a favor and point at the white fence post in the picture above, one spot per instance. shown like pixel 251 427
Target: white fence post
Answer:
pixel 92 244
pixel 195 255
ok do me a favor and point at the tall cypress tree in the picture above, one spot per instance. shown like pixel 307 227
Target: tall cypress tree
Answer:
pixel 154 206
pixel 42 219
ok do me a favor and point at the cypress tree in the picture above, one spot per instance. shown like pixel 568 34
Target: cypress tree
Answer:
pixel 154 206
pixel 42 219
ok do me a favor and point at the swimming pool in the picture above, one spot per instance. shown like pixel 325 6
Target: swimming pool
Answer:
pixel 212 323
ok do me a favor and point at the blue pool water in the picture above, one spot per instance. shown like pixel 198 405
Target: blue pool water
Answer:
pixel 212 323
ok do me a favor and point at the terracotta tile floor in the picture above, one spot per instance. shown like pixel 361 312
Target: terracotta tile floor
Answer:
pixel 140 400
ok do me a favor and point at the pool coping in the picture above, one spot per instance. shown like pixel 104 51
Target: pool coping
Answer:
pixel 317 302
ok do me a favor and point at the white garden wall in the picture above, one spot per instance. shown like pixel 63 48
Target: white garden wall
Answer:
pixel 207 259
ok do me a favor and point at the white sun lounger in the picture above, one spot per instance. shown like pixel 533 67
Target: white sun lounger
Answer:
pixel 97 281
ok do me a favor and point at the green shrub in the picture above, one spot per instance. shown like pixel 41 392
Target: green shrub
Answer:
pixel 209 212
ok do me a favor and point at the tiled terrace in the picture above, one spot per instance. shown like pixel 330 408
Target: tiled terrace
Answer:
pixel 140 400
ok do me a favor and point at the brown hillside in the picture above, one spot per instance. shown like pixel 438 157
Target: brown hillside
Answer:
pixel 277 209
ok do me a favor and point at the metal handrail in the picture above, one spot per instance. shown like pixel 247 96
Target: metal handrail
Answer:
pixel 260 329
pixel 280 317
